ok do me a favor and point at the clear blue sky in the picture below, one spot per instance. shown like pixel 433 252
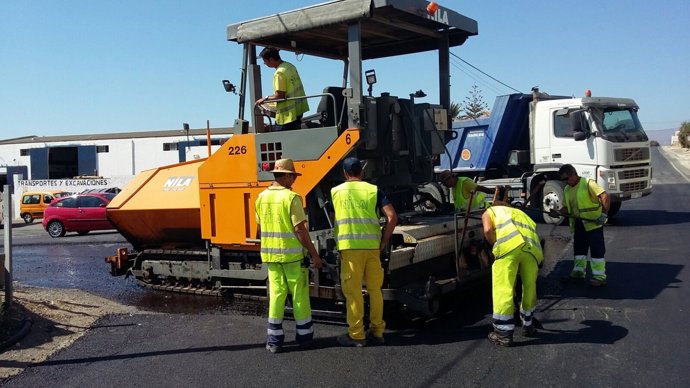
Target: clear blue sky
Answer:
pixel 81 67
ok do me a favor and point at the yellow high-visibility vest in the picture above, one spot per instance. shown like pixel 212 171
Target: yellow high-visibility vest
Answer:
pixel 459 200
pixel 288 111
pixel 279 243
pixel 514 229
pixel 585 206
pixel 356 219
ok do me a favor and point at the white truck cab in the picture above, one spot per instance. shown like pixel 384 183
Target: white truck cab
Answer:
pixel 601 137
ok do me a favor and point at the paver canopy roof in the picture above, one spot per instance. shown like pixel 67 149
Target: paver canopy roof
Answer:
pixel 389 27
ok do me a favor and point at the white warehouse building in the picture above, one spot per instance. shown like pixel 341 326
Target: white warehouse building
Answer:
pixel 78 162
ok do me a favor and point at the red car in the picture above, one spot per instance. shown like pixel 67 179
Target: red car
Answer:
pixel 79 213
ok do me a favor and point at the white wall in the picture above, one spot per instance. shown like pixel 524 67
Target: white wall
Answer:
pixel 10 155
pixel 199 152
pixel 118 160
pixel 148 153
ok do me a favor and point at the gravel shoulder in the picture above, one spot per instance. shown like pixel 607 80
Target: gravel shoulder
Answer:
pixel 679 158
pixel 57 318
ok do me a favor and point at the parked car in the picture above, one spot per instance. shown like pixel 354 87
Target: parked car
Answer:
pixel 79 213
pixel 34 203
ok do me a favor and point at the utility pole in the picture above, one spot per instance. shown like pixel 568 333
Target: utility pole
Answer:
pixel 7 270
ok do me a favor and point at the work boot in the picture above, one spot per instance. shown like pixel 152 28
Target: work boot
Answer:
pixel 375 340
pixel 529 331
pixel 597 282
pixel 274 348
pixel 536 323
pixel 346 340
pixel 574 278
pixel 501 338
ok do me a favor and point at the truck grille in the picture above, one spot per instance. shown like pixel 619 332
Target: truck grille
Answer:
pixel 632 174
pixel 631 154
pixel 633 186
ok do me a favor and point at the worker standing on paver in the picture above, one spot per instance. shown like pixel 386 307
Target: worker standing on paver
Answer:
pixel 461 189
pixel 284 238
pixel 516 248
pixel 286 84
pixel 587 203
pixel 358 236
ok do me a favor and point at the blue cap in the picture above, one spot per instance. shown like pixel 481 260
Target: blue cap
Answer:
pixel 352 166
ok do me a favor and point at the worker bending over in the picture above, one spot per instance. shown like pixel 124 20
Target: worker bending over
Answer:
pixel 461 189
pixel 516 248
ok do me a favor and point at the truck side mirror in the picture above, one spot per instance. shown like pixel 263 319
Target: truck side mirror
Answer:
pixel 576 123
pixel 579 136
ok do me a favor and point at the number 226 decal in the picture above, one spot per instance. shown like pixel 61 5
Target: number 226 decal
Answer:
pixel 237 150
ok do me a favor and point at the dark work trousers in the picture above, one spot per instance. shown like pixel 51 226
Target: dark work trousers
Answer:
pixel 592 241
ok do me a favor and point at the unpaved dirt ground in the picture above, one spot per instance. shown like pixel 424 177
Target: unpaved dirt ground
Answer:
pixel 60 317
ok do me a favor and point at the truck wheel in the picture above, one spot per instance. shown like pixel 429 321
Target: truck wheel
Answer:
pixel 430 198
pixel 614 208
pixel 56 229
pixel 28 218
pixel 552 199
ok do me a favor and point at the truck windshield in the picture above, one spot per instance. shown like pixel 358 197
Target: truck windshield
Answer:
pixel 619 125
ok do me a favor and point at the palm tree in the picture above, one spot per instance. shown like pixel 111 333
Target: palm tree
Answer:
pixel 455 110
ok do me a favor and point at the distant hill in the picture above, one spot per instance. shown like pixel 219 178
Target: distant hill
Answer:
pixel 663 136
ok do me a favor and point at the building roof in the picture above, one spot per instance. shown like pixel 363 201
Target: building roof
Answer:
pixel 114 136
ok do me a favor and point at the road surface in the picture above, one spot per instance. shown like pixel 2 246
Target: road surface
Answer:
pixel 632 333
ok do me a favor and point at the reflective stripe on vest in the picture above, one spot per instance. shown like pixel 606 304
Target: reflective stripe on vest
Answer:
pixel 459 199
pixel 585 206
pixel 279 244
pixel 514 229
pixel 288 111
pixel 356 220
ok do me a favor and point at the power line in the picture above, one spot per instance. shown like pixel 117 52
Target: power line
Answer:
pixel 482 83
pixel 474 67
pixel 477 80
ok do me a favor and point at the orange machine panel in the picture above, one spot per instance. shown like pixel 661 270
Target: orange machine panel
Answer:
pixel 160 208
pixel 229 185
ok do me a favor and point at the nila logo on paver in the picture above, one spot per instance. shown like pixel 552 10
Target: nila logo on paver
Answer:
pixel 440 16
pixel 177 183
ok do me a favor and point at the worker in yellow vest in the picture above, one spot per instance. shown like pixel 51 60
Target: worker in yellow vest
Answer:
pixel 461 189
pixel 360 242
pixel 588 203
pixel 284 239
pixel 516 248
pixel 286 84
